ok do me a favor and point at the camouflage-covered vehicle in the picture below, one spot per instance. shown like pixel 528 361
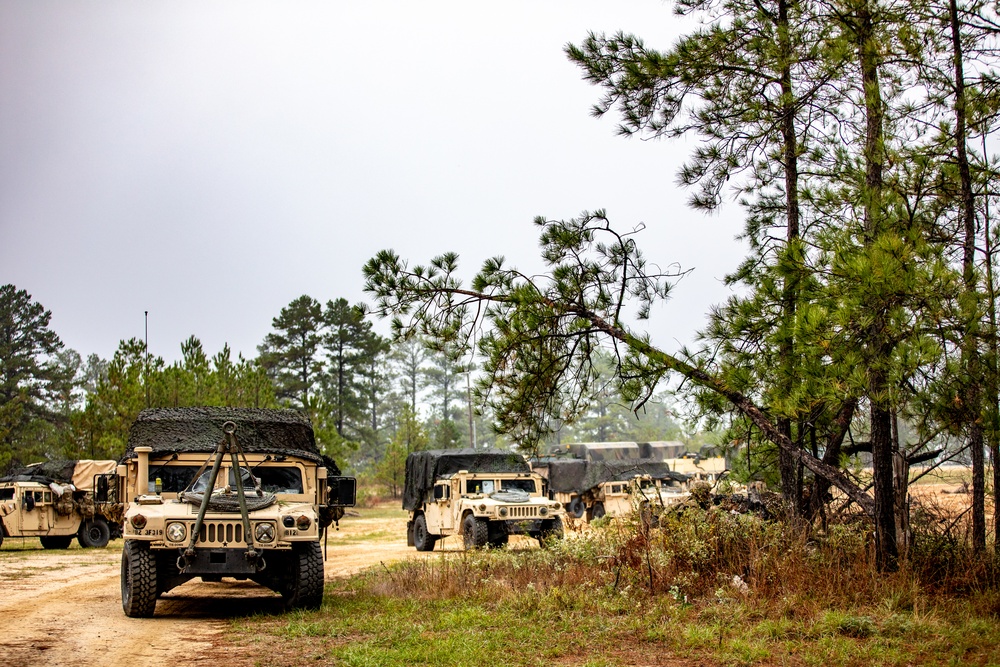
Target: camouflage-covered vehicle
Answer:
pixel 54 501
pixel 594 489
pixel 483 495
pixel 226 492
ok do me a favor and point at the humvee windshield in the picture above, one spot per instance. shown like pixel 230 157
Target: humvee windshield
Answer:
pixel 280 479
pixel 480 486
pixel 517 485
pixel 174 478
pixel 274 479
pixel 7 494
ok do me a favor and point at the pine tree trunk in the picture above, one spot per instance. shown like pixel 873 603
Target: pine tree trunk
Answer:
pixel 791 487
pixel 887 553
pixel 972 399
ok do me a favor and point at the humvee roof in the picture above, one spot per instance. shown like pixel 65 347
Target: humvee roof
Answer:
pixel 170 430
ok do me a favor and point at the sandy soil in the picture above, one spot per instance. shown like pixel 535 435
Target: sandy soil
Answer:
pixel 64 607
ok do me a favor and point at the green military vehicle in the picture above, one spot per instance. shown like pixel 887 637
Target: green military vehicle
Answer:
pixel 225 492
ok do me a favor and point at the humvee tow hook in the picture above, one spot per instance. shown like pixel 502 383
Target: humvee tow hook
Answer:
pixel 229 445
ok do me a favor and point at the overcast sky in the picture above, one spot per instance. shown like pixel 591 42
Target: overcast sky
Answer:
pixel 209 162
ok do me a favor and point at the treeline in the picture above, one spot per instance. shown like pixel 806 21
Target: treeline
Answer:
pixel 858 137
pixel 371 401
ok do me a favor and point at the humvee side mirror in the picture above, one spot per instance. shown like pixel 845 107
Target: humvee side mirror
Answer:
pixel 29 501
pixel 342 491
pixel 101 493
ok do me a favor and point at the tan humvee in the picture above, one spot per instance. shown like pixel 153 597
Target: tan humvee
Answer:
pixel 483 495
pixel 597 488
pixel 624 497
pixel 54 501
pixel 189 513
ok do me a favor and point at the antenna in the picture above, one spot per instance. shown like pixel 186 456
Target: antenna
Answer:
pixel 146 361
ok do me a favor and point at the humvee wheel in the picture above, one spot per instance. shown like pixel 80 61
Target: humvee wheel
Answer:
pixel 56 541
pixel 576 508
pixel 305 585
pixel 551 530
pixel 138 580
pixel 496 535
pixel 94 533
pixel 598 511
pixel 475 532
pixel 422 540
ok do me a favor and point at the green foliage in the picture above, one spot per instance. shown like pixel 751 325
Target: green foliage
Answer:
pixel 131 381
pixel 291 352
pixel 37 378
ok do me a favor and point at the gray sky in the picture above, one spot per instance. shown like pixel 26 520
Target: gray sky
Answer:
pixel 211 161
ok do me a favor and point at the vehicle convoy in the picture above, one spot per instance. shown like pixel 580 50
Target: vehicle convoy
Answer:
pixel 616 488
pixel 225 492
pixel 54 501
pixel 483 495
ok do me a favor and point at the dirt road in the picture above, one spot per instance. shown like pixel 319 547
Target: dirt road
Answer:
pixel 64 607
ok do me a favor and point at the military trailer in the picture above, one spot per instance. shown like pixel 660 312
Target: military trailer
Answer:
pixel 594 489
pixel 54 501
pixel 483 495
pixel 226 492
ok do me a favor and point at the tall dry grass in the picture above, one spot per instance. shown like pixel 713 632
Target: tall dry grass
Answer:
pixel 711 554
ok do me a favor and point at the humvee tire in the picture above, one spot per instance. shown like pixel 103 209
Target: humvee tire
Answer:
pixel 138 580
pixel 94 533
pixel 475 532
pixel 576 508
pixel 551 530
pixel 56 541
pixel 497 535
pixel 305 586
pixel 598 510
pixel 422 540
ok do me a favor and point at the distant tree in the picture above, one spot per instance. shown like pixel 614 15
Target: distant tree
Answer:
pixel 408 357
pixel 34 383
pixel 410 437
pixel 444 379
pixel 291 353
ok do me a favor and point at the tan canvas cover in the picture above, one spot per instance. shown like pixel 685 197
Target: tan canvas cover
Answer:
pixel 83 473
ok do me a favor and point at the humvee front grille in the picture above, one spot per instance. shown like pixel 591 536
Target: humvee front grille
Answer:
pixel 523 512
pixel 221 532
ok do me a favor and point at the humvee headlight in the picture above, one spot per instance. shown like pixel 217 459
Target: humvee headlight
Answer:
pixel 303 522
pixel 556 506
pixel 264 532
pixel 176 531
pixel 482 508
pixel 543 511
pixel 138 522
pixel 503 511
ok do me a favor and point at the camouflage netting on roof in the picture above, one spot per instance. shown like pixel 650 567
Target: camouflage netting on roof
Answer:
pixel 277 432
pixel 423 468
pixel 43 473
pixel 578 476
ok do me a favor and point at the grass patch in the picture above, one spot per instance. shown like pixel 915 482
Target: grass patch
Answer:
pixel 708 589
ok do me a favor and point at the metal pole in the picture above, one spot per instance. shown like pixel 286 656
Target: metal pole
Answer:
pixel 145 374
